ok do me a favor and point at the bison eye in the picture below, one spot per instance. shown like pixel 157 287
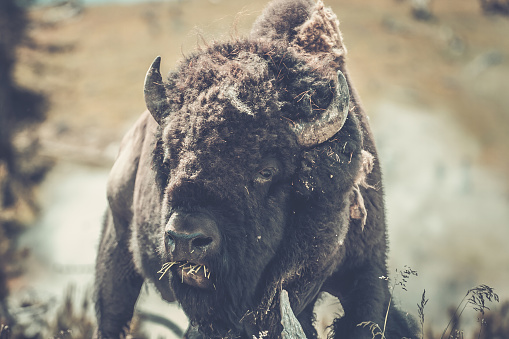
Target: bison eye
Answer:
pixel 269 169
pixel 266 173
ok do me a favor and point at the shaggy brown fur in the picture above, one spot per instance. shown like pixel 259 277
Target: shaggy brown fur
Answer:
pixel 221 181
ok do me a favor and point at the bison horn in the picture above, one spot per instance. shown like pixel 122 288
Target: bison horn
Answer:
pixel 155 94
pixel 325 125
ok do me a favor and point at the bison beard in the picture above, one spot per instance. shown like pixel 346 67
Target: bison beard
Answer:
pixel 252 175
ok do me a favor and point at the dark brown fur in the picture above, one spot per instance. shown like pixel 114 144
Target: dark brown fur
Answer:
pixel 318 225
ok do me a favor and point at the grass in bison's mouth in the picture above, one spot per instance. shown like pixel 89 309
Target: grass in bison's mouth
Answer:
pixel 186 266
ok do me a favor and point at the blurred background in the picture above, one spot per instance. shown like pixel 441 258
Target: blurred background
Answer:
pixel 433 77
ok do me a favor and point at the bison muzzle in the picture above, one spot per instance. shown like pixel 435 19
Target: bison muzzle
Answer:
pixel 251 184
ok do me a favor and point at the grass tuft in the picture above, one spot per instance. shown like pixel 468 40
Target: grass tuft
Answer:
pixel 420 311
pixel 476 297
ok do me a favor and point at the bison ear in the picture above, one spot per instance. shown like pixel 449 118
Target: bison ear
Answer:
pixel 357 208
pixel 320 33
pixel 280 19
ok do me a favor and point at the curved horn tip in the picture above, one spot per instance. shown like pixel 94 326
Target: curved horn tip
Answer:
pixel 344 94
pixel 156 64
pixel 154 70
pixel 343 84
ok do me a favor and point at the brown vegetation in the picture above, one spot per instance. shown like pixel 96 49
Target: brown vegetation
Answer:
pixel 20 169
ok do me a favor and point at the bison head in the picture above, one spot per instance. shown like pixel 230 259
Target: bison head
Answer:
pixel 256 160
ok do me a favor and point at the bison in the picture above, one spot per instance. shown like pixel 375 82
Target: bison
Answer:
pixel 252 176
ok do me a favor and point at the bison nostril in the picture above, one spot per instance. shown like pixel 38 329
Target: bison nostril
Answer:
pixel 170 242
pixel 182 243
pixel 201 242
pixel 170 238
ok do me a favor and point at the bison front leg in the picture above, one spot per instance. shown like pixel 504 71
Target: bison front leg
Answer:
pixel 117 284
pixel 365 300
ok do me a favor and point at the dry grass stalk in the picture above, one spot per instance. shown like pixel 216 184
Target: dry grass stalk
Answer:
pixel 166 266
pixel 184 265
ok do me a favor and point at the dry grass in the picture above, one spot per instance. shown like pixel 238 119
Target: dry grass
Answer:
pixel 191 268
pixel 476 298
